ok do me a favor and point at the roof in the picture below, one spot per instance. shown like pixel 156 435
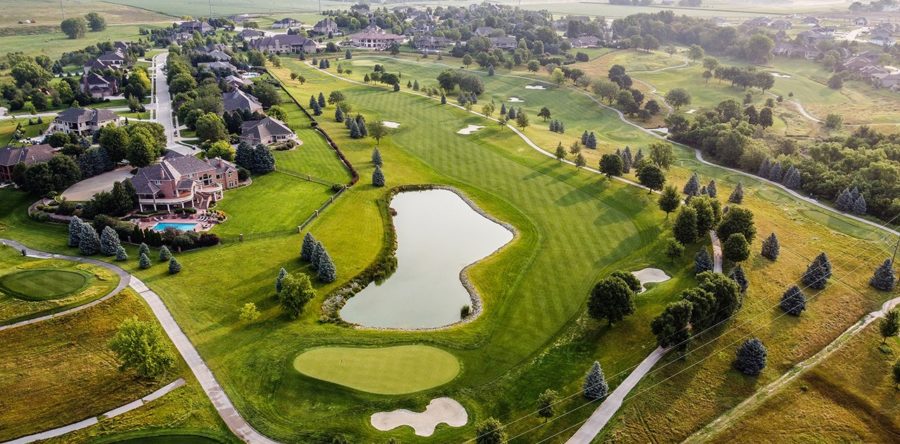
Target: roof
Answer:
pixel 508 40
pixel 265 128
pixel 111 56
pixel 239 100
pixel 84 115
pixel 93 79
pixel 173 168
pixel 225 66
pixel 28 155
pixel 219 55
pixel 375 35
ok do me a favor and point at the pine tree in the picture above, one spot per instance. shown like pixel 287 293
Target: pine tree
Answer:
pixel 88 241
pixel 164 253
pixel 592 141
pixel 560 152
pixel 770 247
pixel 889 325
pixel 377 177
pixel 775 172
pixel 321 100
pixel 314 259
pixel 595 386
pixel 854 194
pixel 627 160
pixel 692 187
pixel 884 278
pixel 859 206
pixel 144 249
pixel 751 357
pixel 263 161
pixel 308 248
pixel 823 262
pixel 844 202
pixel 354 130
pixel 376 157
pixel 702 262
pixel 639 156
pixel 109 241
pixel 511 115
pixel 737 275
pixel 326 270
pixel 312 102
pixel 338 115
pixel 144 261
pixel 174 266
pixel 317 109
pixel 74 231
pixel 764 168
pixel 737 196
pixel 502 109
pixel 817 273
pixel 584 138
pixel 711 189
pixel 562 128
pixel 280 279
pixel 361 124
pixel 792 178
pixel 244 156
pixel 793 301
pixel 443 99
pixel 121 254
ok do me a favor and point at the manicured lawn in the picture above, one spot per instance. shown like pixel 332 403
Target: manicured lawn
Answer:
pixel 54 44
pixel 42 284
pixel 386 371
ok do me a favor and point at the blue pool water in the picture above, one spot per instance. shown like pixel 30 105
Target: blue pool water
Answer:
pixel 178 226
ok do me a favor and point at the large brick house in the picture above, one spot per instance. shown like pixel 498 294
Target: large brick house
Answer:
pixel 29 155
pixel 183 181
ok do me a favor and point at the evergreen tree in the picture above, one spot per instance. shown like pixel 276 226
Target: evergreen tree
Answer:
pixel 511 115
pixel 737 196
pixel 775 172
pixel 144 249
pixel 792 178
pixel 672 326
pixel 692 187
pixel 591 141
pixel 639 156
pixel 711 189
pixel 764 168
pixel 884 278
pixel 327 273
pixel 144 261
pixel 751 357
pixel 503 109
pixel 560 152
pixel 244 156
pixel 109 241
pixel 88 241
pixel 889 326
pixel 321 100
pixel 317 109
pixel 793 301
pixel 263 161
pixel 859 205
pixel 361 124
pixel 844 202
pixel 354 129
pixel 702 262
pixel 685 227
pixel 75 231
pixel 308 248
pixel 338 114
pixel 669 200
pixel 737 275
pixel 121 254
pixel 443 99
pixel 174 266
pixel 376 157
pixel 584 138
pixel 770 247
pixel 627 160
pixel 312 102
pixel 164 253
pixel 817 273
pixel 377 177
pixel 736 248
pixel 314 259
pixel 595 386
pixel 561 127
pixel 279 280
pixel 854 194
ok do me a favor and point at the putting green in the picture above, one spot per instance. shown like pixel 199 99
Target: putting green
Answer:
pixel 385 371
pixel 42 284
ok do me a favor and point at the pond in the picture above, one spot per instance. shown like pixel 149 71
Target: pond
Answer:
pixel 438 234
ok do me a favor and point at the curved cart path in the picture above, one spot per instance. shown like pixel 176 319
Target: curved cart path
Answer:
pixel 216 394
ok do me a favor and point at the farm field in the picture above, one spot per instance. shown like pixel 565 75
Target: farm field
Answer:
pixel 54 44
pixel 47 12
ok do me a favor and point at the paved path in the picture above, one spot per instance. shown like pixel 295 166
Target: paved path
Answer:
pixel 162 106
pixel 211 387
pixel 757 399
pixel 59 431
pixel 717 251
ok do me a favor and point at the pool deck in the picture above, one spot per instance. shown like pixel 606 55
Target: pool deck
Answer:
pixel 203 221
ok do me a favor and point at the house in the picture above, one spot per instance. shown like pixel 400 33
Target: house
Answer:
pixel 588 41
pixel 428 43
pixel 107 60
pixel 781 25
pixel 218 55
pixel 890 81
pixel 190 27
pixel 810 20
pixel 484 31
pixel 250 34
pixel 812 37
pixel 285 43
pixel 508 42
pixel 121 46
pixel 183 181
pixel 238 100
pixel 326 26
pixel 758 22
pixel 285 23
pixel 266 131
pixel 861 21
pixel 375 38
pixel 223 67
pixel 237 82
pixel 30 155
pixel 99 86
pixel 83 121
pixel 882 38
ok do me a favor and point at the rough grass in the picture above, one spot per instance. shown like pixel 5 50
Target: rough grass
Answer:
pixel 47 13
pixel 386 371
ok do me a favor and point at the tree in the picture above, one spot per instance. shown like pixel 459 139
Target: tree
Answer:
pixel 672 326
pixel 759 48
pixel 711 189
pixel 605 89
pixel 115 140
pixel 326 271
pixel 376 157
pixel 770 247
pixel 611 299
pixel 296 291
pixel 692 187
pixel 121 254
pixel 109 241
pixel 751 357
pixel 95 21
pixel 738 276
pixel 610 165
pixel 174 266
pixel 74 28
pixel 889 326
pixel 29 72
pixel 74 231
pixel 164 253
pixel 263 161
pixel 595 386
pixel 467 60
pixel 678 97
pixel 377 177
pixel 817 273
pixel 834 121
pixel 490 431
pixel 544 113
pixel 522 119
pixel 674 249
pixel 546 402
pixel 141 149
pixel 651 177
pixel 736 248
pixel 308 248
pixel 793 301
pixel 836 82
pixel 685 227
pixel 560 152
pixel 377 130
pixel 140 346
pixel 661 154
pixel 88 241
pixel 737 220
pixel 737 196
pixel 765 118
pixel 884 278
pixel 279 280
pixel 695 52
pixel 144 261
pixel 249 313
pixel 267 94
pixel 144 249
pixel 702 262
pixel 558 76
pixel 580 161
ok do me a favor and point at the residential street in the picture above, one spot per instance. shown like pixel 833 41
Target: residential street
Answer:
pixel 162 104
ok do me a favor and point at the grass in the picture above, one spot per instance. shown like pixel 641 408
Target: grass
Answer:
pixel 34 287
pixel 386 371
pixel 54 44
pixel 47 12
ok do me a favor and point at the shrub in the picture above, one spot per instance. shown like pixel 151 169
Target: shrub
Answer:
pixel 702 262
pixel 174 266
pixel 249 312
pixel 465 311
pixel 121 254
pixel 164 253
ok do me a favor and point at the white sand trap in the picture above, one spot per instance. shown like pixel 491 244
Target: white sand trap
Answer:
pixel 469 129
pixel 691 111
pixel 534 87
pixel 778 74
pixel 439 410
pixel 389 124
pixel 515 100
pixel 650 275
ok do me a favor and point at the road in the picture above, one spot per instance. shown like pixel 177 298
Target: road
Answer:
pixel 162 106
pixel 216 394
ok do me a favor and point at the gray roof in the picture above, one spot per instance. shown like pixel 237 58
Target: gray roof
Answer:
pixel 84 115
pixel 28 155
pixel 265 128
pixel 239 100
pixel 222 66
pixel 111 56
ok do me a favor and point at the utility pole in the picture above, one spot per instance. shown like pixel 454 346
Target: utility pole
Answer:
pixel 62 12
pixel 896 247
pixel 210 8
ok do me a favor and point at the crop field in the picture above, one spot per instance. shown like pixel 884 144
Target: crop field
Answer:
pixel 48 13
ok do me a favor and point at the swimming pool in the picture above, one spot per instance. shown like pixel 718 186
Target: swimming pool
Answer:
pixel 180 226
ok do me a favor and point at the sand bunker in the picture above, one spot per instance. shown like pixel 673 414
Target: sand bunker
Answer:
pixel 515 100
pixel 650 275
pixel 691 111
pixel 469 129
pixel 439 410
pixel 778 74
pixel 534 87
pixel 389 124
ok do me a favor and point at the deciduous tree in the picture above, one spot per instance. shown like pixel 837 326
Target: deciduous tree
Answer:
pixel 140 346
pixel 611 299
pixel 296 291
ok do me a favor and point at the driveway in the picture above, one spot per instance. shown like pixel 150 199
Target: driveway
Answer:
pixel 86 189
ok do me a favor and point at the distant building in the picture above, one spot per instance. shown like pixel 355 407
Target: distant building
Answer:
pixel 218 67
pixel 99 86
pixel 30 155
pixel 218 55
pixel 183 181
pixel 107 60
pixel 484 31
pixel 861 21
pixel 266 131
pixel 237 82
pixel 250 34
pixel 427 43
pixel 781 25
pixel 585 42
pixel 203 27
pixel 238 100
pixel 375 38
pixel 507 42
pixel 285 23
pixel 326 26
pixel 285 44
pixel 83 121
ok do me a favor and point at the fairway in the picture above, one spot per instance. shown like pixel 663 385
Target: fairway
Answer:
pixel 42 284
pixel 385 371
